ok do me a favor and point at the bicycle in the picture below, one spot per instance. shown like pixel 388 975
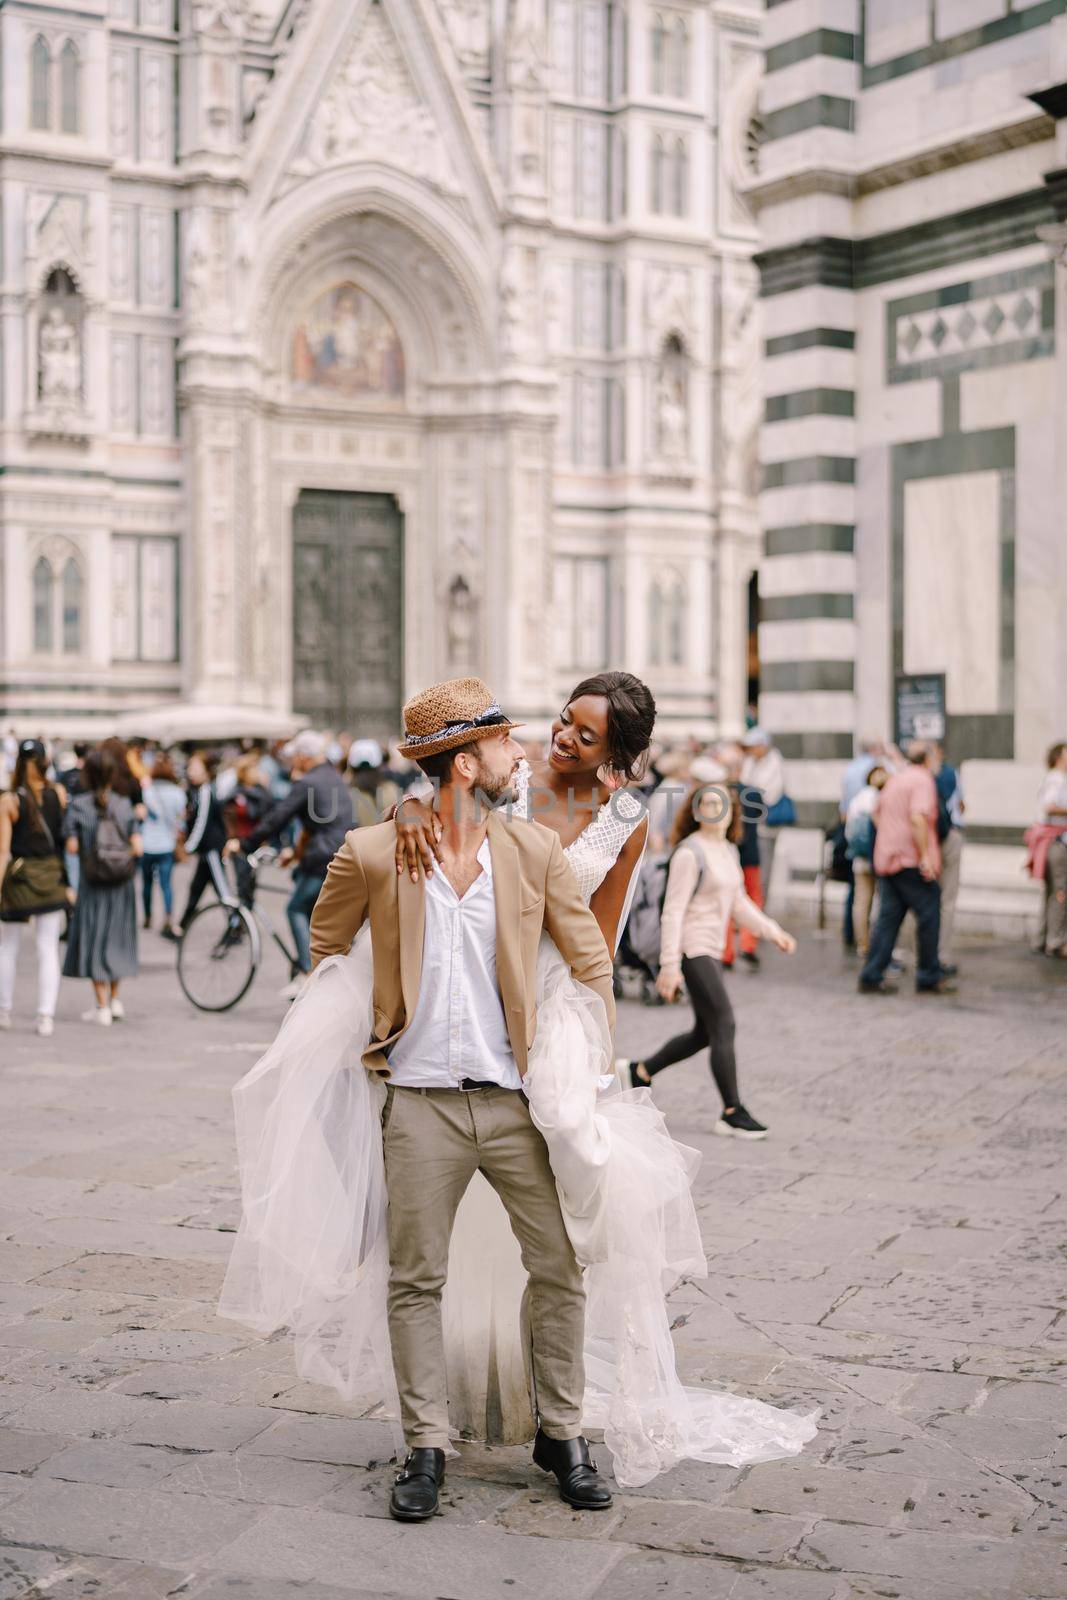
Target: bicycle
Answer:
pixel 222 947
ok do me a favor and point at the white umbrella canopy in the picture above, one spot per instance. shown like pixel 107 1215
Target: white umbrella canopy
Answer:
pixel 180 720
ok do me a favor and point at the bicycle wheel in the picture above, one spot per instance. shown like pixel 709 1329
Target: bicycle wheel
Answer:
pixel 218 956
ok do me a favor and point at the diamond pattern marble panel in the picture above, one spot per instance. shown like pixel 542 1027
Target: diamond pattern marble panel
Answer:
pixel 954 330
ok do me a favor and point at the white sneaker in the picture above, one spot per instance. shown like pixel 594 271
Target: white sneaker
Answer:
pixel 291 990
pixel 118 1011
pixel 101 1015
pixel 45 1027
pixel 5 1016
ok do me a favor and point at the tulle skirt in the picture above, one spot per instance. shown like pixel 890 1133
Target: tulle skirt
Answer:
pixel 311 1250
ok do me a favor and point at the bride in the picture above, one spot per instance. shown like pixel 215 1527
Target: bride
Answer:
pixel 310 1252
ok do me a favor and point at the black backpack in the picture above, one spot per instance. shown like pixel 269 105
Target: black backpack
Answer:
pixel 111 859
pixel 643 927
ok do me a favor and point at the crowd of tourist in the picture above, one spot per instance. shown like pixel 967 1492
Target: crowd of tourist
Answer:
pixel 79 826
pixel 88 834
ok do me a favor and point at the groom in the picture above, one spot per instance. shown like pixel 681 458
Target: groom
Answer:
pixel 455 962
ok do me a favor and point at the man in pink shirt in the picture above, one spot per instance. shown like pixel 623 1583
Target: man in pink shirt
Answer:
pixel 907 861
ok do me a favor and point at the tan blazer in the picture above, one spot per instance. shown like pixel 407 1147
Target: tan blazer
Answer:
pixel 534 889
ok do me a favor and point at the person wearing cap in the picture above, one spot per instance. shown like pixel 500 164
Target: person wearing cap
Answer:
pixel 319 800
pixel 374 789
pixel 764 769
pixel 455 957
pixel 33 886
pixel 446 978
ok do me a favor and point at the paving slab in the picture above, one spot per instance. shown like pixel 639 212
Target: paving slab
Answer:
pixel 460 1563
pixel 186 1425
pixel 140 1525
pixel 650 1575
pixel 805 1489
pixel 21 1452
pixel 740 1535
pixel 111 1462
pixel 20 1570
pixel 356 1444
pixel 262 1480
pixel 986 1569
pixel 97 1578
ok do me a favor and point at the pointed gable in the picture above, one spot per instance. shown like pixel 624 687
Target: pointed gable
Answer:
pixel 371 111
pixel 377 82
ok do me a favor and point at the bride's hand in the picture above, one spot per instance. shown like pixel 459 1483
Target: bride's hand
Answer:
pixel 418 829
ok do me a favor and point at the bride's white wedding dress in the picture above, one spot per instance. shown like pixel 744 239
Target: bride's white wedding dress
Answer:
pixel 311 1250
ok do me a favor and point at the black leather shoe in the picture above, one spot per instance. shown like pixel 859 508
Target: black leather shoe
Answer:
pixel 414 1496
pixel 579 1483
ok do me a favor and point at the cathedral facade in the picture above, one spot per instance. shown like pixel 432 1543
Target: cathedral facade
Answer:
pixel 348 344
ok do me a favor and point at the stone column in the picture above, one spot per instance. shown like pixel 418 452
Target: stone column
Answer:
pixel 808 438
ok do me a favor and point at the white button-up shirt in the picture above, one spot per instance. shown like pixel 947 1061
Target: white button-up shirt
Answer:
pixel 458 1030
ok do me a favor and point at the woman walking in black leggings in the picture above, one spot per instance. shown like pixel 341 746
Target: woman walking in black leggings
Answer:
pixel 705 890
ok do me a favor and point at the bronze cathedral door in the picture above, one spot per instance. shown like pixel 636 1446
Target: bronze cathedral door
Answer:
pixel 347 612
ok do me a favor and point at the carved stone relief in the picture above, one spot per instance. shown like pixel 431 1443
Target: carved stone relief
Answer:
pixel 156 13
pixel 120 253
pixel 742 397
pixel 206 268
pixel 57 232
pixel 467 22
pixel 123 398
pixel 157 232
pixel 156 76
pixel 669 304
pixel 519 303
pixel 372 112
pixel 740 146
pixel 527 43
pixel 157 387
pixel 119 82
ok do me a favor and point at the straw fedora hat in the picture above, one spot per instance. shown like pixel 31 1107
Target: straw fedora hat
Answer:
pixel 451 714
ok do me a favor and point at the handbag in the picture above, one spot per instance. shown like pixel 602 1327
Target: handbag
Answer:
pixel 34 884
pixel 783 813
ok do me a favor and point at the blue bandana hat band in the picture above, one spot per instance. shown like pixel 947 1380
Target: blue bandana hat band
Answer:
pixel 490 718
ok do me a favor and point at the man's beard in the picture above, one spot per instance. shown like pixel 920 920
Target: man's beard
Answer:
pixel 494 789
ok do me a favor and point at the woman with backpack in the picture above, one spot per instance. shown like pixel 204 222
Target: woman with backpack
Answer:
pixel 102 831
pixel 705 890
pixel 34 883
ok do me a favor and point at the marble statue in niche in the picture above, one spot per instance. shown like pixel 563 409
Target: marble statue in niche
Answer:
pixel 346 343
pixel 60 360
pixel 462 626
pixel 672 402
pixel 59 353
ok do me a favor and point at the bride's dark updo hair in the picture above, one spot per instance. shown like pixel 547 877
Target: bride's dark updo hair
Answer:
pixel 631 718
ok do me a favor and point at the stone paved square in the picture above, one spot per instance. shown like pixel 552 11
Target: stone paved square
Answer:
pixel 894 1254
